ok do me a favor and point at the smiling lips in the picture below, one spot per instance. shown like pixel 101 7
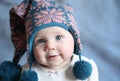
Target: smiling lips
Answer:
pixel 52 55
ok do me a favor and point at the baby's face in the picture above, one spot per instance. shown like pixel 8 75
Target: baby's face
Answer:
pixel 53 47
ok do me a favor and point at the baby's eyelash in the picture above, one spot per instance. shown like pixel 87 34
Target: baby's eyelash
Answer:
pixel 40 41
pixel 59 37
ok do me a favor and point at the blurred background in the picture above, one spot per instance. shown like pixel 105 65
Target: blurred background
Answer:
pixel 99 25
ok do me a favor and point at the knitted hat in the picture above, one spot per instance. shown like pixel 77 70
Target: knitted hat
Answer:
pixel 26 20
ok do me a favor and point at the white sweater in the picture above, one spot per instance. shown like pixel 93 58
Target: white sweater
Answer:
pixel 63 74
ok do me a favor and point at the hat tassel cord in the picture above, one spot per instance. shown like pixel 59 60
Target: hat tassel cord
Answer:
pixel 82 69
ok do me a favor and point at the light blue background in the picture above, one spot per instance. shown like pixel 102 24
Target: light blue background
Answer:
pixel 99 25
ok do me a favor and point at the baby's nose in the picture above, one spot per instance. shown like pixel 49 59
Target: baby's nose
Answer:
pixel 50 46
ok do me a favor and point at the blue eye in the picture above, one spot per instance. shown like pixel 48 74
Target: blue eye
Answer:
pixel 41 41
pixel 59 37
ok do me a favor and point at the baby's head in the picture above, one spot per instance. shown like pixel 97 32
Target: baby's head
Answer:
pixel 51 34
pixel 51 16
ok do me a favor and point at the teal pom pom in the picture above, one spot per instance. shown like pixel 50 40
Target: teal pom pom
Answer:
pixel 29 76
pixel 9 71
pixel 82 70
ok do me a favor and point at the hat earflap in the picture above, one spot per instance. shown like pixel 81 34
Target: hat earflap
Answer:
pixel 82 69
pixel 29 75
pixel 9 71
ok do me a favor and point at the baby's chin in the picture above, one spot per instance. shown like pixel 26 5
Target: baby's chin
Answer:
pixel 56 65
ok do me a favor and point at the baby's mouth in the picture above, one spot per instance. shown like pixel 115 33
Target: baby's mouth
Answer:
pixel 52 56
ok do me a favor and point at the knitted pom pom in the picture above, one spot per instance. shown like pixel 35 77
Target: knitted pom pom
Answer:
pixel 9 71
pixel 29 76
pixel 82 70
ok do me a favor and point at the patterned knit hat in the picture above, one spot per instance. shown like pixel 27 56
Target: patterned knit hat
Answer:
pixel 26 20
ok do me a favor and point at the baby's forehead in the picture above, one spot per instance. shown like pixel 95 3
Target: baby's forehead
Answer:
pixel 52 30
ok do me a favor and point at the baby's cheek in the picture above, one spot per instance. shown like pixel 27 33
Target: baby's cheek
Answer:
pixel 67 53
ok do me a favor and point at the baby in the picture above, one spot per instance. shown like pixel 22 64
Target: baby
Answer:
pixel 47 30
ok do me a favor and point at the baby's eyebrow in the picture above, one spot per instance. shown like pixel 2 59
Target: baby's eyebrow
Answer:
pixel 38 37
pixel 58 32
